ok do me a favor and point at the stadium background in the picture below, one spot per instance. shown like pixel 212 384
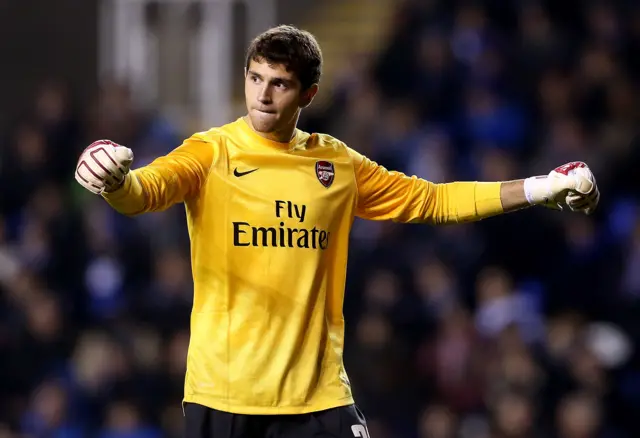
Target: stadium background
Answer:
pixel 521 326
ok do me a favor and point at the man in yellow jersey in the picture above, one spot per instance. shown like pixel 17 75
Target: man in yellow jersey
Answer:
pixel 269 212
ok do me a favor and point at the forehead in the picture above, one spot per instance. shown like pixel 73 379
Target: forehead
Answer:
pixel 274 71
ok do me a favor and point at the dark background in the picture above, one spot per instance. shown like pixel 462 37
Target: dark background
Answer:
pixel 522 326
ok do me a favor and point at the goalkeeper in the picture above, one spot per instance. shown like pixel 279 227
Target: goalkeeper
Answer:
pixel 269 212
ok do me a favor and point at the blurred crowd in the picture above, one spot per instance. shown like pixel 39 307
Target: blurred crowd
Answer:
pixel 521 326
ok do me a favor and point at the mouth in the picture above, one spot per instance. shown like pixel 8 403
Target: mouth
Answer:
pixel 265 111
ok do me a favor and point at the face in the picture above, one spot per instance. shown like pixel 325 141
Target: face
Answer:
pixel 274 97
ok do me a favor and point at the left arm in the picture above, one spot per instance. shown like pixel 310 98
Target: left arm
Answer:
pixel 512 196
pixel 390 195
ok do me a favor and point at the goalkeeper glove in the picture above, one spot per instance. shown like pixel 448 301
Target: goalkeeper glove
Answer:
pixel 103 166
pixel 571 186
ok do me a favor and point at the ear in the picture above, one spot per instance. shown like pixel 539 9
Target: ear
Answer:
pixel 245 71
pixel 306 97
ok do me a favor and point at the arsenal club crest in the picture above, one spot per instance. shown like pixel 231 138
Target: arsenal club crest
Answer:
pixel 325 173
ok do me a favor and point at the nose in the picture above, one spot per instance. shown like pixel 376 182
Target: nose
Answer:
pixel 264 96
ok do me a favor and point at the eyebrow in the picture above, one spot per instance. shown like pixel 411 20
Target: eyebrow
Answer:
pixel 280 79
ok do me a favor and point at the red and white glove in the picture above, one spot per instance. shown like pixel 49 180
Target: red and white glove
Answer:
pixel 103 166
pixel 571 186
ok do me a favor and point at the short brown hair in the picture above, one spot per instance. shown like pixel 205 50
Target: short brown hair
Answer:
pixel 296 49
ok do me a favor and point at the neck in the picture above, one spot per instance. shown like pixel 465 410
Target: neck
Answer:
pixel 283 135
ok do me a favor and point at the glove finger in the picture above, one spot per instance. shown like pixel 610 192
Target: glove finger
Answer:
pixel 574 198
pixel 578 202
pixel 91 186
pixel 592 198
pixel 104 158
pixel 588 206
pixel 124 157
pixel 586 210
pixel 88 178
pixel 583 184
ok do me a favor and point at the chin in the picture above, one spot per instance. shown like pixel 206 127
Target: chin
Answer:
pixel 264 122
pixel 263 126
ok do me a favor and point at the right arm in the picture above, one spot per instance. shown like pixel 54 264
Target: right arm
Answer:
pixel 166 181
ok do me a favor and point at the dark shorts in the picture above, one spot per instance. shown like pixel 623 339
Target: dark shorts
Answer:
pixel 342 422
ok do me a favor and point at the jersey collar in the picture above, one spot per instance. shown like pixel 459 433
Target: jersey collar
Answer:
pixel 257 138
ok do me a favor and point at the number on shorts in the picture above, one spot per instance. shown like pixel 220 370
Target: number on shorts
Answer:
pixel 359 431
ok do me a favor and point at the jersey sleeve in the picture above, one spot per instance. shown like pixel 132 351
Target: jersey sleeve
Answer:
pixel 391 195
pixel 167 180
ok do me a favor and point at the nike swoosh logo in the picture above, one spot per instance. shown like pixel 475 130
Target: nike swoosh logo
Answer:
pixel 236 173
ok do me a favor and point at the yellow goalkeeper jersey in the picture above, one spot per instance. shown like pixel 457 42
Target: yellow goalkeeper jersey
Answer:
pixel 269 225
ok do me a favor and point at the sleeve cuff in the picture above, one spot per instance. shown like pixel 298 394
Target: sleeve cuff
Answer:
pixel 121 192
pixel 128 199
pixel 488 201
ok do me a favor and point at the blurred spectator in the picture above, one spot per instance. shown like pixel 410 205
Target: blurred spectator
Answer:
pixel 437 422
pixel 48 414
pixel 580 416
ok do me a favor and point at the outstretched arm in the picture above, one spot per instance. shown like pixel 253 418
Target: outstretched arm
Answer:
pixel 389 195
pixel 512 196
pixel 166 181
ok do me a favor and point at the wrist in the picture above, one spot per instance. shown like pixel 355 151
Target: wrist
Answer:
pixel 118 187
pixel 537 190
